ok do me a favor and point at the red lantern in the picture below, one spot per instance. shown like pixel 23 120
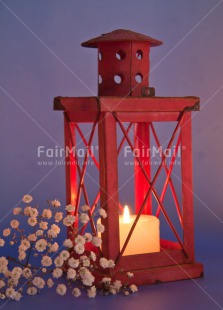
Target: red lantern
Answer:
pixel 125 98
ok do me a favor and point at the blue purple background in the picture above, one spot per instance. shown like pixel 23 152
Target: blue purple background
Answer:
pixel 41 57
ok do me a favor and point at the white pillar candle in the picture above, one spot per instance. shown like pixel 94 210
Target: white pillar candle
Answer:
pixel 145 237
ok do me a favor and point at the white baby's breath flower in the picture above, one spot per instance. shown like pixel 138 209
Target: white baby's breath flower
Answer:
pixel 33 212
pixel 43 225
pixel 32 221
pixel 70 208
pixel 47 213
pixel 23 247
pixel 76 292
pixel 80 239
pixel 69 220
pixel 14 224
pixel 32 237
pixel 97 241
pixel 133 288
pixel 2 283
pixel 93 256
pixel 56 228
pixel 16 211
pixel 126 293
pixel 32 290
pixel 54 247
pixel 10 292
pixel 46 261
pixel 13 281
pixel 7 273
pixel 16 272
pixel 39 232
pixel 41 245
pixel 61 289
pixel 117 285
pixel 100 228
pixel 51 233
pixel 86 262
pixel 71 273
pixel 84 218
pixel 2 242
pixel 68 243
pixel 27 273
pixel 88 237
pixel 72 262
pixel 106 280
pixel 6 232
pixel 112 291
pixel 17 296
pixel 58 261
pixel 57 273
pixel 58 217
pixel 25 244
pixel 88 281
pixel 3 261
pixel 86 276
pixel 3 269
pixel 55 203
pixel 50 282
pixel 85 208
pixel 103 262
pixel 102 213
pixel 91 292
pixel 79 248
pixel 22 255
pixel 130 274
pixel 27 198
pixel 27 210
pixel 64 255
pixel 111 263
pixel 38 282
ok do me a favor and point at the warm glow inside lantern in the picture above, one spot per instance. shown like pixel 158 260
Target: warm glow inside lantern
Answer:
pixel 128 106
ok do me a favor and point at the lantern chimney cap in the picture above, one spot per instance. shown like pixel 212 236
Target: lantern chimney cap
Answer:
pixel 121 35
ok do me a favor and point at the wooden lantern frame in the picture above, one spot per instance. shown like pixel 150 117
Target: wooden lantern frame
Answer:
pixel 176 260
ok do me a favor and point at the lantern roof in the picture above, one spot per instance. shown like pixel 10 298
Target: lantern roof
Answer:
pixel 121 35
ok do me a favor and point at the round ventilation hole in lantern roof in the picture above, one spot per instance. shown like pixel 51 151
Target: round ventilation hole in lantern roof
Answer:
pixel 138 77
pixel 100 56
pixel 139 54
pixel 120 55
pixel 99 79
pixel 118 78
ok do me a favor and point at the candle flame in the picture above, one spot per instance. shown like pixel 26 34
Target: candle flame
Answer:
pixel 126 215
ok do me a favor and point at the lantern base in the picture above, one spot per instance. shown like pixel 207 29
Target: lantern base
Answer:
pixel 165 274
pixel 160 274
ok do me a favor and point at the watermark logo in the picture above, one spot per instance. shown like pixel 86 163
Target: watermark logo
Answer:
pixel 57 152
pixel 153 152
pixel 148 156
